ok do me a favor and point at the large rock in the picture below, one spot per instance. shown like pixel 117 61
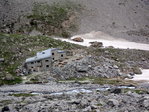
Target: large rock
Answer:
pixel 82 68
pixel 78 39
pixel 146 103
pixel 5 109
pixel 116 91
pixel 87 109
pixel 9 77
pixel 137 70
pixel 96 44
pixel 113 102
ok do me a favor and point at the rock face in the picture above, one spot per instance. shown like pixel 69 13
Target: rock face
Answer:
pixel 78 39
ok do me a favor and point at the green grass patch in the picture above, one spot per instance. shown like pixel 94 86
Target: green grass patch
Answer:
pixel 78 80
pixel 138 91
pixel 99 80
pixel 16 80
pixel 22 95
pixel 113 81
pixel 103 81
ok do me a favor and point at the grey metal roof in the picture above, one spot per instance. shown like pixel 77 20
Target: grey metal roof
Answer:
pixel 60 51
pixel 41 55
pixel 2 59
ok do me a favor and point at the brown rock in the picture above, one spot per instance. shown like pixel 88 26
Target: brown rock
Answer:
pixel 78 39
pixel 96 44
pixel 137 70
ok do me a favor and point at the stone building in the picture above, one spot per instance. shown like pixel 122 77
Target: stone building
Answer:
pixel 44 60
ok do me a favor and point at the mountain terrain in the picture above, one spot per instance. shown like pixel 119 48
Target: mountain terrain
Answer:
pixel 118 18
pixel 101 73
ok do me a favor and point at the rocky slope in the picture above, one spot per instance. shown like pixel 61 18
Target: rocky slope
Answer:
pixel 118 18
pixel 93 98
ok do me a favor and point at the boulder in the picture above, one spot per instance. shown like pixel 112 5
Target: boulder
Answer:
pixel 96 44
pixel 5 109
pixel 76 102
pixel 113 102
pixel 116 91
pixel 78 39
pixel 87 109
pixel 146 103
pixel 9 77
pixel 82 68
pixel 115 67
pixel 137 70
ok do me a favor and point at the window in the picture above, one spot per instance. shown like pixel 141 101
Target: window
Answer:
pixel 53 59
pixel 34 70
pixel 62 55
pixel 32 67
pixel 46 60
pixel 52 53
pixel 47 66
pixel 32 62
pixel 38 61
pixel 43 52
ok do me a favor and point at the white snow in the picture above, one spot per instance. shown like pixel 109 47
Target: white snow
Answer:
pixel 107 41
pixel 143 77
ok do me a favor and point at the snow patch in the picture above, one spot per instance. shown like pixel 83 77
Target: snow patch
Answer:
pixel 107 41
pixel 143 77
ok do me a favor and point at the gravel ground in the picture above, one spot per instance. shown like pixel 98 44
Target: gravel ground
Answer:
pixel 114 100
pixel 50 87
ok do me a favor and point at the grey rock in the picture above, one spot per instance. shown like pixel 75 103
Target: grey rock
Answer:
pixel 84 103
pixel 116 91
pixel 146 103
pixel 87 109
pixel 82 68
pixel 113 102
pixel 94 107
pixel 76 102
pixel 115 66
